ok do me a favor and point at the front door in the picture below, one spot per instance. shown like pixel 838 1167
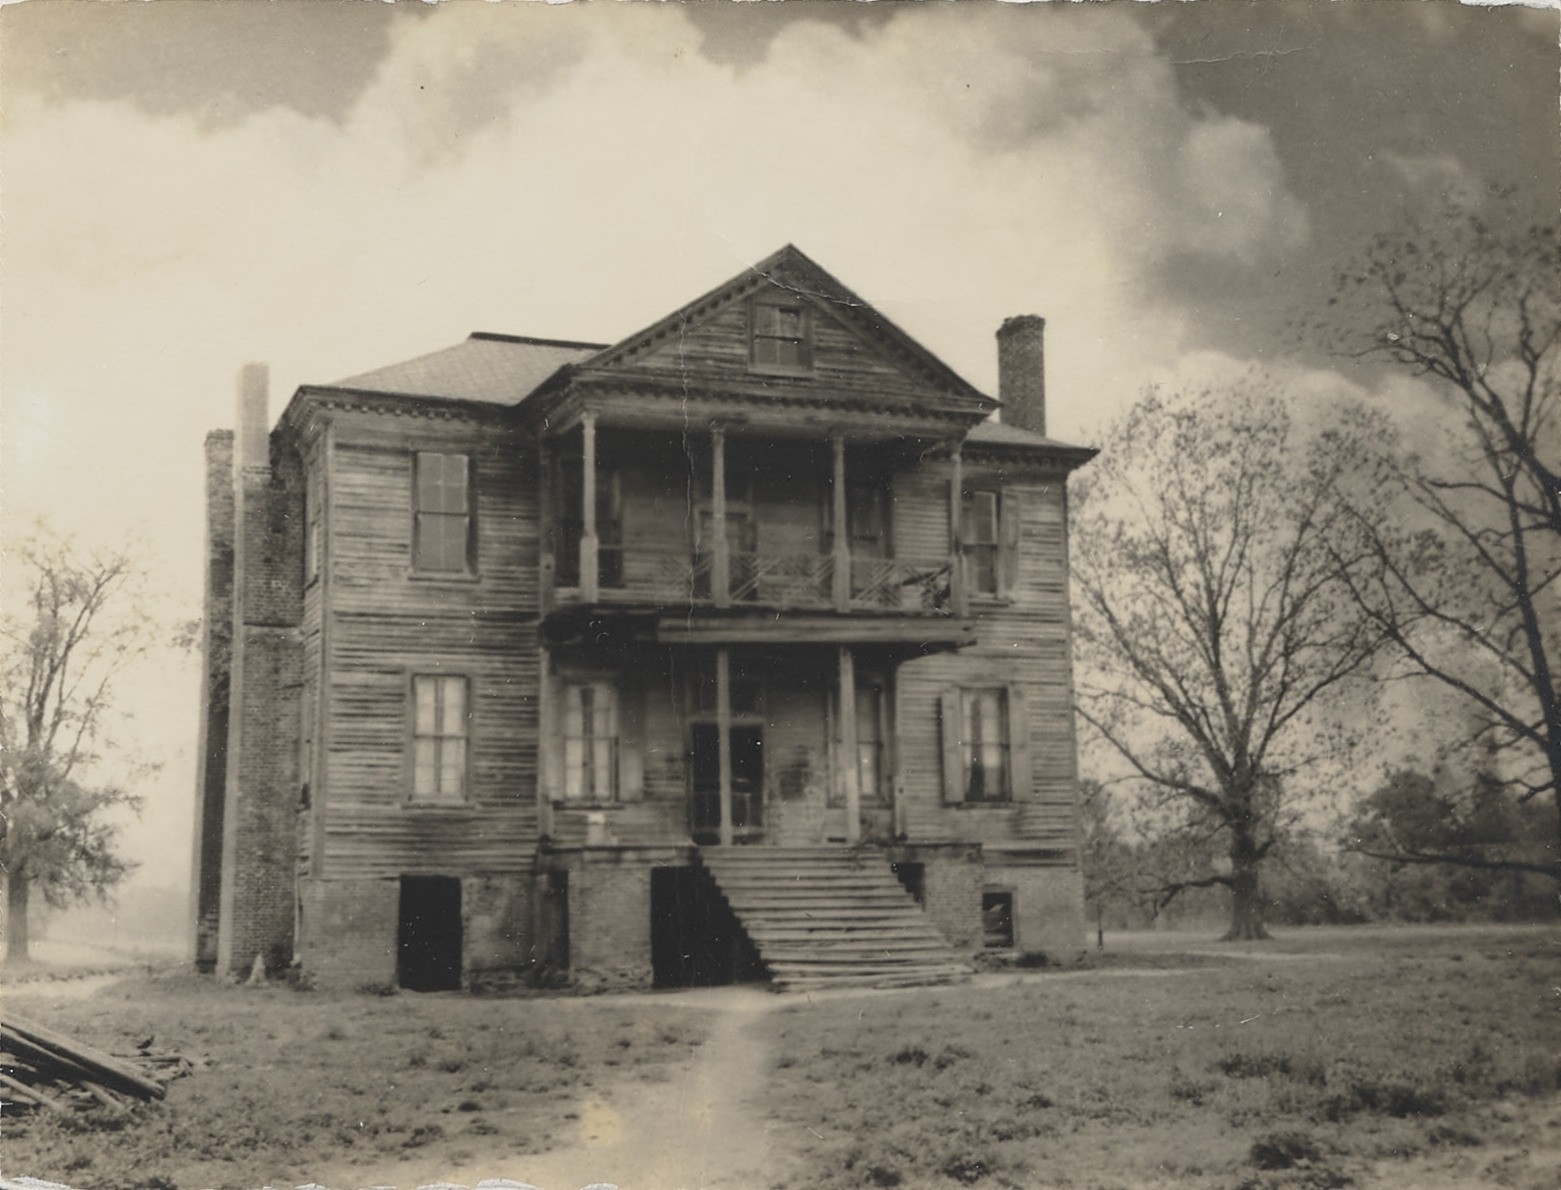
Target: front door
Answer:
pixel 747 744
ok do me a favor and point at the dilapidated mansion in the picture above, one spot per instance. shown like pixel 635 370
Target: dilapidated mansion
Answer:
pixel 738 648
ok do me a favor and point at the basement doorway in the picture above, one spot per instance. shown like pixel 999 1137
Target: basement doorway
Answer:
pixel 428 934
pixel 695 938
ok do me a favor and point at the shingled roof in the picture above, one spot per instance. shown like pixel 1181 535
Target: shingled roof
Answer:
pixel 487 368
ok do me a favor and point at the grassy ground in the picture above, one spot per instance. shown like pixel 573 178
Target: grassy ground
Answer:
pixel 1424 1059
pixel 291 1083
pixel 1343 1057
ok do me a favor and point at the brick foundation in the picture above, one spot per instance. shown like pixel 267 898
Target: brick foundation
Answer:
pixel 1048 906
pixel 951 895
pixel 348 940
pixel 497 926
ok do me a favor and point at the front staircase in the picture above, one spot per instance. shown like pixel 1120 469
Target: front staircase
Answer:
pixel 831 917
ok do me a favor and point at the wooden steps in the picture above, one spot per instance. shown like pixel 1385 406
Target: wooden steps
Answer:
pixel 829 917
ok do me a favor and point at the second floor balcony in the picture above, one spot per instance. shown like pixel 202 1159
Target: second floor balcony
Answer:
pixel 652 520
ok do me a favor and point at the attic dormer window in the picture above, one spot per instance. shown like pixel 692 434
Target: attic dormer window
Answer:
pixel 779 336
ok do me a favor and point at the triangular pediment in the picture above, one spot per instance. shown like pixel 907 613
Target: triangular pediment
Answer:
pixel 787 326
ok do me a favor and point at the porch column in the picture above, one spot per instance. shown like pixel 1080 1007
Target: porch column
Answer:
pixel 956 543
pixel 723 730
pixel 720 563
pixel 589 562
pixel 851 773
pixel 842 559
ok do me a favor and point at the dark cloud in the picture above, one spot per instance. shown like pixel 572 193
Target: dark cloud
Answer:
pixel 218 60
pixel 1354 94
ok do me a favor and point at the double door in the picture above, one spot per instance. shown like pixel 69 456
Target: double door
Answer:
pixel 746 741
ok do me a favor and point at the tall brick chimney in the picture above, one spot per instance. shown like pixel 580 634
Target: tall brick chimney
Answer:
pixel 1021 372
pixel 260 803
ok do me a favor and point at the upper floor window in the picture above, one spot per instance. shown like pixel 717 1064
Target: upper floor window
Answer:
pixel 981 541
pixel 779 335
pixel 442 513
pixel 867 519
pixel 590 742
pixel 440 719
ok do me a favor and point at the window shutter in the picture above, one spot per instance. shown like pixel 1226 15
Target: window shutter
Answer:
pixel 1022 776
pixel 953 754
pixel 1010 518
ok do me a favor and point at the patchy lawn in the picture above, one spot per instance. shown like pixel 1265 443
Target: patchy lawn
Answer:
pixel 290 1084
pixel 1414 1059
pixel 1375 1057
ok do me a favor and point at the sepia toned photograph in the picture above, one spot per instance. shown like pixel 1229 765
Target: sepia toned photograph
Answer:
pixel 780 595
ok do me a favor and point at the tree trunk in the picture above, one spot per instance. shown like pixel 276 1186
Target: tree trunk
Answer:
pixel 1246 903
pixel 17 887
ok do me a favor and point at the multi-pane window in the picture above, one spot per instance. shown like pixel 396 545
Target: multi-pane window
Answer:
pixel 780 335
pixel 984 744
pixel 866 519
pixel 442 529
pixel 440 732
pixel 980 541
pixel 590 742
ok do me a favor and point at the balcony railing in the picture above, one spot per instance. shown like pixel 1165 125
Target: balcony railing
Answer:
pixel 776 581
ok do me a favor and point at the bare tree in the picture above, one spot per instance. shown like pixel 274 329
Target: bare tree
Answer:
pixel 1466 584
pixel 72 634
pixel 1212 624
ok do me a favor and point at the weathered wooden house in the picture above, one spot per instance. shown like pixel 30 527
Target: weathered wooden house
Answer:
pixel 739 645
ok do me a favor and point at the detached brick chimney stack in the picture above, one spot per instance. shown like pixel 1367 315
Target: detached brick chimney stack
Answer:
pixel 1021 372
pixel 265 670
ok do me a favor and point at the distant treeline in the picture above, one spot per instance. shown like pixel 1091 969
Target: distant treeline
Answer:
pixel 1314 878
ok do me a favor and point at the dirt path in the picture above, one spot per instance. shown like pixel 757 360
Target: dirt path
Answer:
pixel 701 1129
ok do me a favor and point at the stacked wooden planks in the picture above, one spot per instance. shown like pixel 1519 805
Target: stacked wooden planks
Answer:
pixel 44 1070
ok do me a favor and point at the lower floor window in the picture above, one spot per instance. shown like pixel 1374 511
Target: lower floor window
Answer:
pixel 590 742
pixel 439 738
pixel 985 744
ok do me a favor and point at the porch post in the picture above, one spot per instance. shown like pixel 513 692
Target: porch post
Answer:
pixel 723 729
pixel 588 545
pixel 842 559
pixel 850 771
pixel 956 543
pixel 720 564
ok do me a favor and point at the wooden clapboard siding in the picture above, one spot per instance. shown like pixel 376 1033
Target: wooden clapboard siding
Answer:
pixel 716 348
pixel 1021 641
pixel 383 623
pixel 360 842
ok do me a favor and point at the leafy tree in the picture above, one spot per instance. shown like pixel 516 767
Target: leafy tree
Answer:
pixel 1212 627
pixel 1495 845
pixel 1464 568
pixel 73 633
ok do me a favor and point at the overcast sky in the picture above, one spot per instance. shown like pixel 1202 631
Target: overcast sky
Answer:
pixel 332 185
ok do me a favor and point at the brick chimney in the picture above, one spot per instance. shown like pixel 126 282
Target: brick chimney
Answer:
pixel 1021 372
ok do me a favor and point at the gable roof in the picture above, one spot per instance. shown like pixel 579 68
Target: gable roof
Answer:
pixel 487 368
pixel 792 269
